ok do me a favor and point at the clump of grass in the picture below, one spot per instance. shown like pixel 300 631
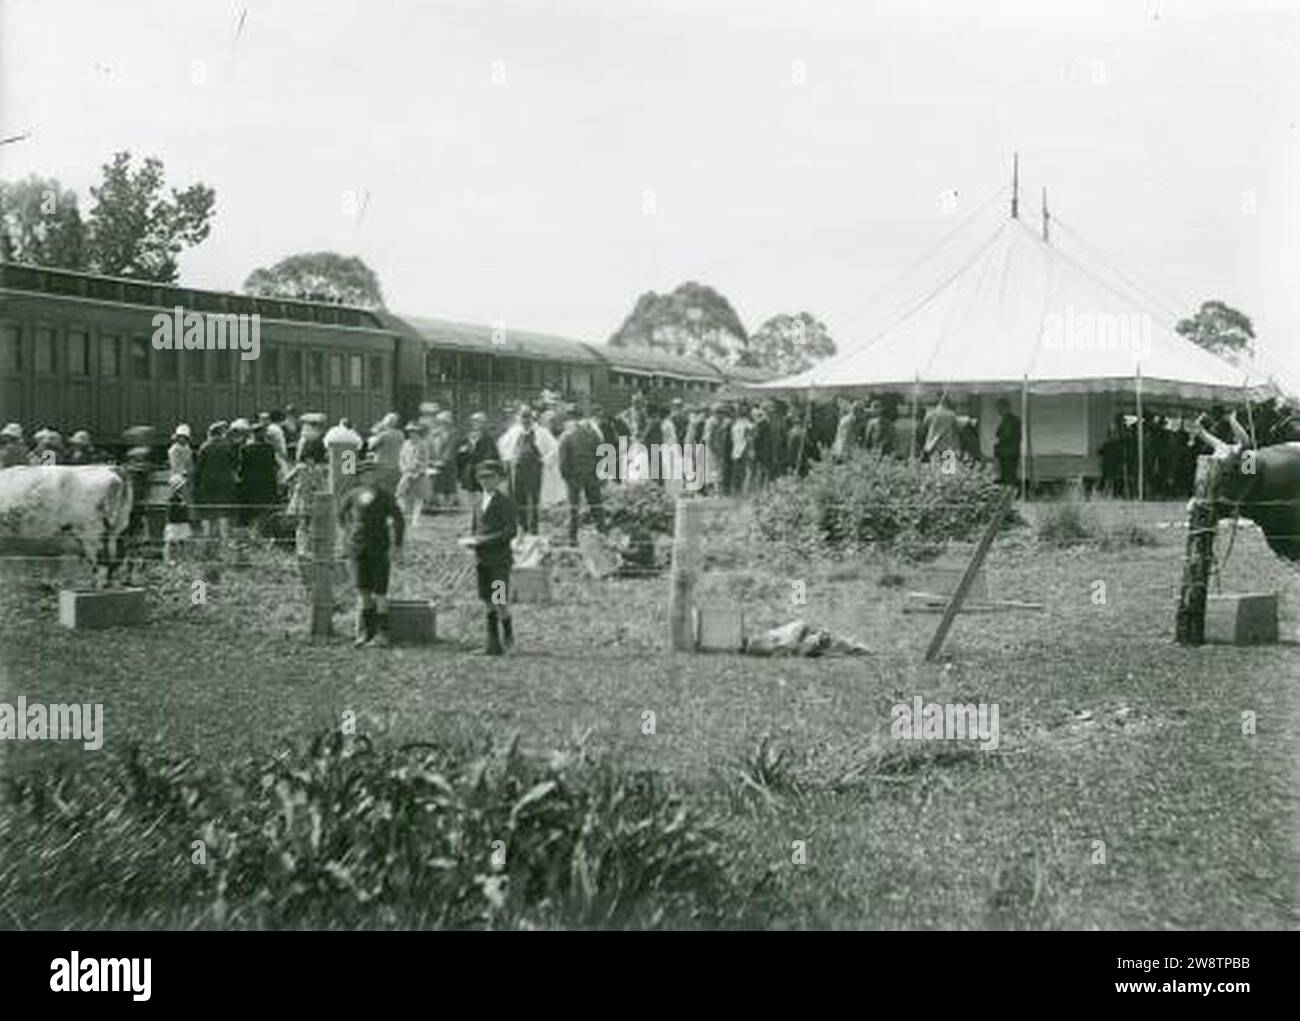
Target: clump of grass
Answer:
pixel 768 770
pixel 348 832
pixel 1127 534
pixel 1066 522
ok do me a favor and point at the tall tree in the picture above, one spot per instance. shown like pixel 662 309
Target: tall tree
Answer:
pixel 788 344
pixel 41 224
pixel 1220 328
pixel 319 276
pixel 693 320
pixel 134 230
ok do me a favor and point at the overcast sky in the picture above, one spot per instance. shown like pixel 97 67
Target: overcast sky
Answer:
pixel 544 163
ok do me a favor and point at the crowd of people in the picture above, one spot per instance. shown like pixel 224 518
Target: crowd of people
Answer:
pixel 248 470
pixel 251 471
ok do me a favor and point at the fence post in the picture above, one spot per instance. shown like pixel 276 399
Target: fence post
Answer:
pixel 685 567
pixel 1189 622
pixel 322 555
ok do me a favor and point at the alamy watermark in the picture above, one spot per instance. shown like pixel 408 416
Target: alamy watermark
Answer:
pixel 948 721
pixel 641 462
pixel 208 331
pixel 1097 331
pixel 58 722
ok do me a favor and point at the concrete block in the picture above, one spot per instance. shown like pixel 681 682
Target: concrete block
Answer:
pixel 99 608
pixel 943 581
pixel 1241 618
pixel 530 585
pixel 719 628
pixel 412 621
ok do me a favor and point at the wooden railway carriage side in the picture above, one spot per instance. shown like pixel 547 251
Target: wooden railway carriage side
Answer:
pixel 76 352
pixel 661 377
pixel 470 367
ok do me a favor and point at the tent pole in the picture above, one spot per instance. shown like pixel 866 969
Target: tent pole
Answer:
pixel 916 414
pixel 1141 440
pixel 1024 438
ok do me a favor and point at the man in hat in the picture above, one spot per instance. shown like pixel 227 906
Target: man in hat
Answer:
pixel 477 447
pixel 291 426
pixel 493 527
pixel 367 514
pixel 942 440
pixel 579 458
pixel 523 448
pixel 442 444
pixel 385 444
pixel 259 478
pixel 48 449
pixel 215 474
pixel 80 449
pixel 180 466
pixel 13 446
pixel 413 462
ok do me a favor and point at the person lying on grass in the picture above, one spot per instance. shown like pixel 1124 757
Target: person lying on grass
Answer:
pixel 493 525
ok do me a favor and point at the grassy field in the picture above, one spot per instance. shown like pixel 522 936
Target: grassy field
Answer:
pixel 1109 732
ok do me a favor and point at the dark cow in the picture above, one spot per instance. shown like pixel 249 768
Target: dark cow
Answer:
pixel 1260 484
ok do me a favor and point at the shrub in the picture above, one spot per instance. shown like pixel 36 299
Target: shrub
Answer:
pixel 909 506
pixel 1066 522
pixel 641 509
pixel 348 832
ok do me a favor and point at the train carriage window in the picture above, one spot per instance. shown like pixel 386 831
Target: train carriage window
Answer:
pixel 503 370
pixel 473 368
pixel 336 370
pixel 44 355
pixel 222 371
pixel 354 371
pixel 169 364
pixel 78 353
pixel 11 349
pixel 110 356
pixel 139 357
pixel 270 359
pixel 293 368
pixel 316 370
pixel 377 372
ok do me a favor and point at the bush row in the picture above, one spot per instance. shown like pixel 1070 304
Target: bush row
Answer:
pixel 346 832
pixel 866 500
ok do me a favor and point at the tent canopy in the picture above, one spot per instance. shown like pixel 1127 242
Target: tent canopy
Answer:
pixel 1018 312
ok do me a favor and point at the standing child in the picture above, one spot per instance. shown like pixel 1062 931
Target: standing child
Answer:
pixel 493 527
pixel 366 513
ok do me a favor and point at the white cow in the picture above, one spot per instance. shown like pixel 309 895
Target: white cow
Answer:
pixel 88 503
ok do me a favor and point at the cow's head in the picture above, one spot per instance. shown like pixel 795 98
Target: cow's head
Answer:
pixel 1234 463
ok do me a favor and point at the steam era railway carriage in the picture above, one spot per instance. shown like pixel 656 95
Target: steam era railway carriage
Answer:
pixel 76 352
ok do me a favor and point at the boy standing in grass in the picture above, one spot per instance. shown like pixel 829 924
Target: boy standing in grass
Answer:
pixel 493 526
pixel 366 513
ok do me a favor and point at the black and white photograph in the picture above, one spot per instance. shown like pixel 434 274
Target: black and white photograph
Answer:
pixel 720 466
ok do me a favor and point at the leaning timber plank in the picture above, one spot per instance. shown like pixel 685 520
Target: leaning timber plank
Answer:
pixel 1001 606
pixel 968 576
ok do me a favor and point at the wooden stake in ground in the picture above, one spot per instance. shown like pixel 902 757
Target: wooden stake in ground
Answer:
pixel 686 560
pixel 1189 623
pixel 968 576
pixel 322 553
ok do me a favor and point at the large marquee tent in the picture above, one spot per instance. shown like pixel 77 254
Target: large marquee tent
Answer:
pixel 1068 339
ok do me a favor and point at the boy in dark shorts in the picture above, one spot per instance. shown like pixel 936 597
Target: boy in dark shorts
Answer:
pixel 365 514
pixel 493 526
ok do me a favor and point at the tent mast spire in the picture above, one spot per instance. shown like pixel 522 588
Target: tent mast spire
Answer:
pixel 1015 186
pixel 1047 217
